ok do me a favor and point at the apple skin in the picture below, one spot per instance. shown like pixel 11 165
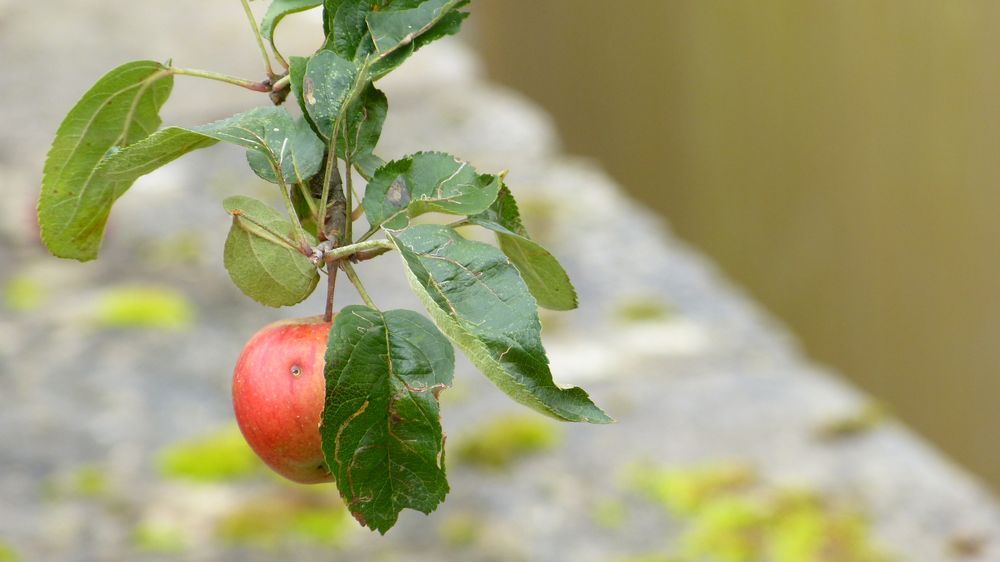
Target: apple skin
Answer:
pixel 279 392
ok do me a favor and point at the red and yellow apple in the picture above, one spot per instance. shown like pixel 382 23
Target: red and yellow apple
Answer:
pixel 278 395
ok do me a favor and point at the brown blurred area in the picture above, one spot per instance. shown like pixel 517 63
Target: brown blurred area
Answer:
pixel 838 159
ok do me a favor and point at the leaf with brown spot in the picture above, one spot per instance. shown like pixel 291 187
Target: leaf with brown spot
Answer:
pixel 426 182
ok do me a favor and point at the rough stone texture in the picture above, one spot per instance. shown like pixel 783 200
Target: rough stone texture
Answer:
pixel 717 380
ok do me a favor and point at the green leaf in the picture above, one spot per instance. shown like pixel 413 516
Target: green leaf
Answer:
pixel 304 209
pixel 261 258
pixel 390 30
pixel 544 275
pixel 290 145
pixel 546 279
pixel 346 24
pixel 381 427
pixel 120 109
pixel 278 10
pixel 322 85
pixel 426 182
pixel 326 86
pixel 364 124
pixel 368 164
pixel 478 299
pixel 504 212
pixel 397 34
pixel 297 73
pixel 263 131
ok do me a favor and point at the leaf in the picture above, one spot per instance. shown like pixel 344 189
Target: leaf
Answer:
pixel 397 34
pixel 290 145
pixel 297 73
pixel 326 86
pixel 253 130
pixel 268 133
pixel 504 212
pixel 546 279
pixel 478 299
pixel 278 10
pixel 346 24
pixel 364 124
pixel 120 109
pixel 542 273
pixel 392 29
pixel 322 98
pixel 426 182
pixel 259 259
pixel 368 164
pixel 399 28
pixel 381 427
pixel 304 209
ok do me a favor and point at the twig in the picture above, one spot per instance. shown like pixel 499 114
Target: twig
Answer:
pixel 331 288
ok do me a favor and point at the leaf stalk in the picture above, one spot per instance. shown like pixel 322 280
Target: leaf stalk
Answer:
pixel 260 40
pixel 356 281
pixel 242 82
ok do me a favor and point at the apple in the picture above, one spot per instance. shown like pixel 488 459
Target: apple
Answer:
pixel 278 395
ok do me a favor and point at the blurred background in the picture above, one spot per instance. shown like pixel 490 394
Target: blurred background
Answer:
pixel 757 200
pixel 837 159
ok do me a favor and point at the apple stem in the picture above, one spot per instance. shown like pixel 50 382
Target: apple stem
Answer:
pixel 331 288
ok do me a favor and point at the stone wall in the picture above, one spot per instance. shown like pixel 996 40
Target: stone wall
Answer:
pixel 716 407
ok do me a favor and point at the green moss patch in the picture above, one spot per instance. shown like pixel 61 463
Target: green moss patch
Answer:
pixel 285 520
pixel 729 516
pixel 500 442
pixel 638 309
pixel 24 294
pixel 217 457
pixel 144 307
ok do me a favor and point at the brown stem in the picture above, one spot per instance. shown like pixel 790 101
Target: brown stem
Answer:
pixel 332 225
pixel 331 287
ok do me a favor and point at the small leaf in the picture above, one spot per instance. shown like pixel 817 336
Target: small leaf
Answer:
pixel 381 427
pixel 364 124
pixel 396 34
pixel 390 30
pixel 275 136
pixel 426 182
pixel 120 109
pixel 293 144
pixel 448 25
pixel 346 25
pixel 478 299
pixel 278 10
pixel 326 85
pixel 259 258
pixel 546 279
